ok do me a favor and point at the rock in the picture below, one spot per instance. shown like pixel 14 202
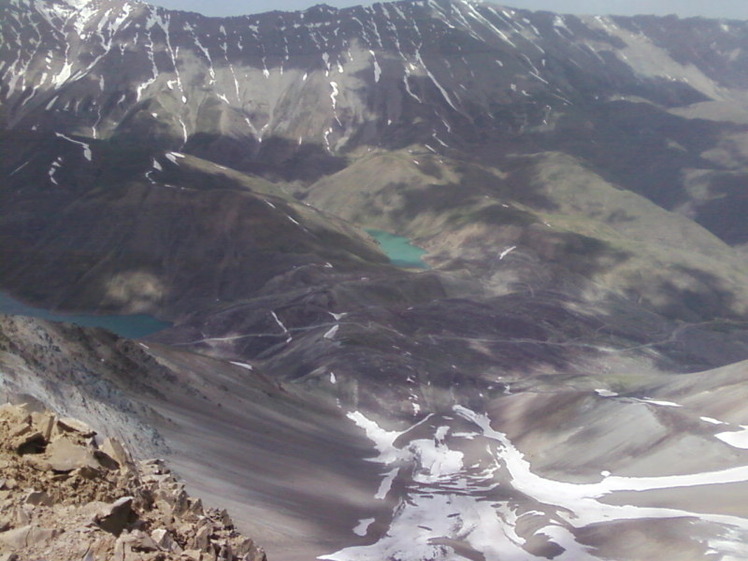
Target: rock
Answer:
pixel 114 449
pixel 105 460
pixel 89 473
pixel 74 480
pixel 156 466
pixel 38 498
pixel 22 517
pixel 116 517
pixel 225 519
pixel 67 424
pixel 196 508
pixel 225 553
pixel 27 535
pixel 179 502
pixel 165 540
pixel 44 423
pixel 20 429
pixel 64 455
pixel 202 538
pixel 9 557
pixel 257 554
pixel 247 550
pixel 131 546
pixel 139 541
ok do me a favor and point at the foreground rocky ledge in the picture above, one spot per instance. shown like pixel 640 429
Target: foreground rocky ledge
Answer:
pixel 64 494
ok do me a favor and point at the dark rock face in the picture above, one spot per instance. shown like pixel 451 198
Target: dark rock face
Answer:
pixel 576 181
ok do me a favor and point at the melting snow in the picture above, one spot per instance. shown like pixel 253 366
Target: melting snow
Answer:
pixel 448 500
pixel 334 94
pixel 386 485
pixel 658 402
pixel 86 147
pixel 377 68
pixel 736 439
pixel 242 365
pixel 174 157
pixel 57 164
pixel 363 526
pixel 506 252
pixel 279 322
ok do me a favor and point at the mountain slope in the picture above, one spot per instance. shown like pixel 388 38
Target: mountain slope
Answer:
pixel 133 230
pixel 543 391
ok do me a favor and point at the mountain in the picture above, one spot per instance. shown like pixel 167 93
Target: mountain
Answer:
pixel 563 381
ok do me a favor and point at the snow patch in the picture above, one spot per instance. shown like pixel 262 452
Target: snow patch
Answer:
pixel 377 68
pixel 736 439
pixel 334 95
pixel 331 332
pixel 242 365
pixel 86 148
pixel 506 252
pixel 362 528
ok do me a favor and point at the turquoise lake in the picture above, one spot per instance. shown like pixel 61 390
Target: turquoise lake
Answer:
pixel 399 249
pixel 132 327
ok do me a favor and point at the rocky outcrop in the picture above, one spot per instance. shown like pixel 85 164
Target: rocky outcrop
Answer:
pixel 65 494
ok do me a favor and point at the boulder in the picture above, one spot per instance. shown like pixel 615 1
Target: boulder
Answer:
pixel 63 455
pixel 37 498
pixel 114 518
pixel 27 535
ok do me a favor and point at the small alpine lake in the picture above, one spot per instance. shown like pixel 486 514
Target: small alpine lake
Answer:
pixel 132 326
pixel 401 252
